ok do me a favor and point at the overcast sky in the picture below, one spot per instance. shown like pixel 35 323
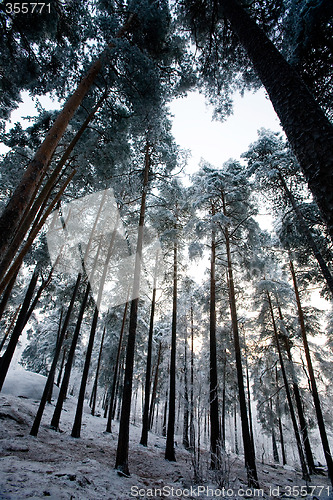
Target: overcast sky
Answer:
pixel 215 141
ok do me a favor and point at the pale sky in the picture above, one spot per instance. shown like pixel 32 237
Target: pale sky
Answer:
pixel 215 141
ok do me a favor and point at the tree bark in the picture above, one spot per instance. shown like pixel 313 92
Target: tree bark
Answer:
pixel 37 168
pixel 170 439
pixel 308 130
pixel 49 382
pixel 123 437
pixel 299 405
pixel 213 394
pixel 76 429
pixel 315 394
pixel 305 472
pixel 307 233
pixel 250 462
pixel 20 324
pixel 186 441
pixel 116 370
pixel 97 373
pixel 154 391
pixel 145 417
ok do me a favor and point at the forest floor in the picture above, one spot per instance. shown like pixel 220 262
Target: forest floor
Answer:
pixel 57 466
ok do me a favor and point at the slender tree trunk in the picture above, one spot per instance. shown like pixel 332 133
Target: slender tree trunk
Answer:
pixel 307 233
pixel 165 414
pixel 115 373
pixel 283 451
pixel 250 462
pixel 20 324
pixel 50 380
pixel 235 430
pixel 223 434
pixel 7 293
pixel 316 400
pixel 123 437
pixel 97 373
pixel 70 358
pixel 154 391
pixel 170 439
pixel 76 429
pixel 299 405
pixel 186 441
pixel 49 396
pixel 37 168
pixel 305 124
pixel 213 394
pixel 192 432
pixel 284 457
pixel 145 418
pixel 290 403
pixel 10 326
pixel 61 367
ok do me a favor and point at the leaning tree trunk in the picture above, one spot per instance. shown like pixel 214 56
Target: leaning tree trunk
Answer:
pixel 250 462
pixel 170 439
pixel 20 324
pixel 50 379
pixel 33 215
pixel 145 417
pixel 10 326
pixel 123 437
pixel 213 394
pixel 115 373
pixel 307 233
pixel 316 400
pixel 305 472
pixel 283 451
pixel 308 130
pixel 299 404
pixel 93 406
pixel 154 391
pixel 37 168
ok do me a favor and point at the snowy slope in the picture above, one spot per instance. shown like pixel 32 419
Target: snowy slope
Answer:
pixel 57 466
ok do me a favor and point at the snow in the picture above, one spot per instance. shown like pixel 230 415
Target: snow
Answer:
pixel 24 384
pixel 57 466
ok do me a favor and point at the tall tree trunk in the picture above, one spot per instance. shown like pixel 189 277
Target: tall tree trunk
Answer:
pixel 97 373
pixel 250 462
pixel 7 293
pixel 154 391
pixel 305 472
pixel 145 417
pixel 50 379
pixel 308 130
pixel 307 233
pixel 123 437
pixel 170 439
pixel 37 168
pixel 299 404
pixel 10 326
pixel 59 338
pixel 213 394
pixel 33 215
pixel 76 429
pixel 20 324
pixel 115 373
pixel 68 367
pixel 186 441
pixel 61 367
pixel 316 400
pixel 192 433
pixel 223 433
pixel 283 451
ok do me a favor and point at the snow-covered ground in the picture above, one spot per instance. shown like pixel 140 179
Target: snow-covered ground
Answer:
pixel 57 466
